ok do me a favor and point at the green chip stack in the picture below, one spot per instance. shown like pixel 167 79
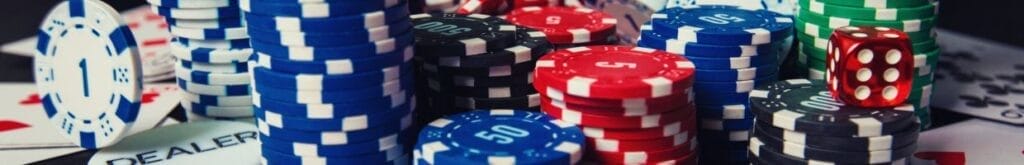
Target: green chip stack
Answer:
pixel 816 19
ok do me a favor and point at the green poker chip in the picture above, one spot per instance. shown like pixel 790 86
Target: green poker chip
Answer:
pixel 910 25
pixel 920 47
pixel 875 14
pixel 819 31
pixel 878 4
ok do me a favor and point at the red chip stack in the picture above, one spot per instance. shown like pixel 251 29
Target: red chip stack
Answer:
pixel 568 27
pixel 634 104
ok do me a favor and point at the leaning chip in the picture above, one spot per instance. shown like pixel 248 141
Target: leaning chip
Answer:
pixel 88 72
pixel 500 137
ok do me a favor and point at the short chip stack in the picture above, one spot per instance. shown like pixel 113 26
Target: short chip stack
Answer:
pixel 332 80
pixel 211 45
pixel 634 104
pixel 734 50
pixel 568 26
pixel 798 122
pixel 499 137
pixel 474 62
pixel 818 18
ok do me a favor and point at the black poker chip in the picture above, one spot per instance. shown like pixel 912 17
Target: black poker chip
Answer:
pixel 807 106
pixel 493 71
pixel 848 143
pixel 529 46
pixel 449 34
pixel 480 81
pixel 483 92
pixel 802 153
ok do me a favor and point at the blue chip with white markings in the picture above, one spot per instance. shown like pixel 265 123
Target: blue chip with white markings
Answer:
pixel 311 53
pixel 88 72
pixel 395 155
pixel 732 87
pixel 345 150
pixel 354 122
pixel 198 13
pixel 334 137
pixel 268 77
pixel 228 33
pixel 240 67
pixel 723 75
pixel 500 137
pixel 723 25
pixel 334 38
pixel 670 44
pixel 727 124
pixel 245 100
pixel 210 78
pixel 216 90
pixel 734 62
pixel 328 110
pixel 733 111
pixel 206 23
pixel 212 44
pixel 316 10
pixel 332 24
pixel 189 4
pixel 336 66
pixel 209 55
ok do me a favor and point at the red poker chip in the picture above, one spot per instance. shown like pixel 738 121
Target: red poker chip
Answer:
pixel 566 25
pixel 644 157
pixel 527 3
pixel 617 111
pixel 688 126
pixel 480 6
pixel 615 145
pixel 629 103
pixel 617 122
pixel 614 72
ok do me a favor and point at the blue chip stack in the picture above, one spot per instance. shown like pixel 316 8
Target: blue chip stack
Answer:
pixel 499 137
pixel 332 80
pixel 468 62
pixel 212 46
pixel 734 49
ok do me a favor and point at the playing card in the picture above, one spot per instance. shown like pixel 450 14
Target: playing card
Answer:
pixel 24 127
pixel 972 142
pixel 980 78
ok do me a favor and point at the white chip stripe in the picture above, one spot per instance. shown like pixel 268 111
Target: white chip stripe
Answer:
pixel 579 86
pixel 580 35
pixel 475 46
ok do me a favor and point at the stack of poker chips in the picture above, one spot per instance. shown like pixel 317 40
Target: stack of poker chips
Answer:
pixel 332 80
pixel 212 47
pixel 798 122
pixel 634 104
pixel 475 61
pixel 731 58
pixel 568 27
pixel 499 137
pixel 817 19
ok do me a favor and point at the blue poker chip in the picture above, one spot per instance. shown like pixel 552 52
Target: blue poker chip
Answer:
pixel 733 111
pixel 217 111
pixel 723 156
pixel 216 90
pixel 240 67
pixel 267 77
pixel 744 86
pixel 734 62
pixel 209 78
pixel 206 23
pixel 726 124
pixel 322 96
pixel 527 138
pixel 334 137
pixel 722 25
pixel 650 39
pixel 717 98
pixel 212 44
pixel 334 38
pixel 336 66
pixel 244 100
pixel 392 156
pixel 353 122
pixel 332 24
pixel 188 4
pixel 210 55
pixel 332 109
pixel 303 53
pixel 345 150
pixel 316 10
pixel 227 33
pixel 725 75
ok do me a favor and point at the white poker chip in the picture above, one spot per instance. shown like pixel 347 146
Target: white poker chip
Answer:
pixel 88 72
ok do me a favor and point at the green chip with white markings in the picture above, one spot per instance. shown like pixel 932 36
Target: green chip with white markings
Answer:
pixel 910 25
pixel 879 4
pixel 893 14
pixel 819 31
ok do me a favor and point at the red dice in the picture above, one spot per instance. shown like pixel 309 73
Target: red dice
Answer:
pixel 869 66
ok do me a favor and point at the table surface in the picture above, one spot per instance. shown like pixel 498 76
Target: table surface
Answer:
pixel 981 18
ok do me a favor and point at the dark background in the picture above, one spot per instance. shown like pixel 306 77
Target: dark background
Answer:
pixel 998 20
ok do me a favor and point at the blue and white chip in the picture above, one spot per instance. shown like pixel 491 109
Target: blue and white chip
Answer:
pixel 723 75
pixel 88 71
pixel 723 25
pixel 210 78
pixel 240 67
pixel 209 55
pixel 336 66
pixel 334 137
pixel 306 53
pixel 332 24
pixel 228 33
pixel 317 10
pixel 501 137
pixel 334 38
pixel 353 122
pixel 216 90
pixel 330 110
pixel 212 44
pixel 268 77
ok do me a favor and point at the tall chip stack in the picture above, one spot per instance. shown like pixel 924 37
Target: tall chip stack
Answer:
pixel 212 47
pixel 568 26
pixel 818 18
pixel 474 62
pixel 734 50
pixel 634 104
pixel 332 80
pixel 798 122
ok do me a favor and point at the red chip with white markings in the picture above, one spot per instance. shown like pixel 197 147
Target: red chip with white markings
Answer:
pixel 615 111
pixel 528 3
pixel 616 145
pixel 614 72
pixel 644 157
pixel 629 103
pixel 617 122
pixel 566 25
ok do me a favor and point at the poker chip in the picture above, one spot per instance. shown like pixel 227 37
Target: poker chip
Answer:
pixel 354 22
pixel 229 33
pixel 615 145
pixel 208 55
pixel 689 24
pixel 336 66
pixel 862 13
pixel 209 78
pixel 566 25
pixel 616 122
pixel 612 111
pixel 302 81
pixel 334 38
pixel 351 150
pixel 190 4
pixel 235 67
pixel 629 103
pixel 531 138
pixel 584 71
pixel 472 34
pixel 875 143
pixel 216 90
pixel 644 157
pixel 492 71
pixel 334 137
pixel 308 53
pixel 213 44
pixel 200 13
pixel 800 151
pixel 217 111
pixel 315 10
pixel 353 122
pixel 391 156
pixel 98 38
pixel 217 100
pixel 344 95
pixel 779 104
pixel 520 78
pixel 205 23
pixel 663 131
